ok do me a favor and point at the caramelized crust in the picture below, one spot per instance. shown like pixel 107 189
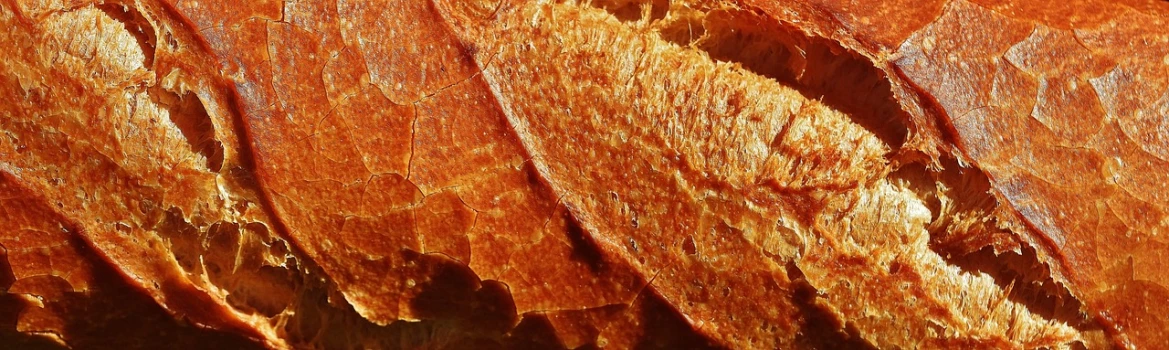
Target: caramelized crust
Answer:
pixel 611 173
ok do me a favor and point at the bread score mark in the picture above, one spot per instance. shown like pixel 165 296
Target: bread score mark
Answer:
pixel 689 147
pixel 115 131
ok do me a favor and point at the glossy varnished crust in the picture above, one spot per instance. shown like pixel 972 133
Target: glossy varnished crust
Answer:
pixel 747 174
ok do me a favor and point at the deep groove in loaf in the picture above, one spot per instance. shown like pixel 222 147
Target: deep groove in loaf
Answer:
pixel 820 69
pixel 966 234
pixel 1033 285
pixel 121 135
pixel 704 105
pixel 634 10
pixel 824 330
pixel 190 116
pixel 137 26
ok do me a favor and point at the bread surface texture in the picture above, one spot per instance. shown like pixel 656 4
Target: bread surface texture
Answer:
pixel 567 174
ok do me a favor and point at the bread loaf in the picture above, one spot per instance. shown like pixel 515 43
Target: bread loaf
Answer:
pixel 566 174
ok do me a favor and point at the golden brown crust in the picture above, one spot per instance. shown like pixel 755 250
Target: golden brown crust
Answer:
pixel 1045 100
pixel 422 164
pixel 54 64
pixel 55 288
pixel 615 173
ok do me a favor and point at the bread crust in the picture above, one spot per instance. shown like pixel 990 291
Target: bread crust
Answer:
pixel 457 163
pixel 1003 80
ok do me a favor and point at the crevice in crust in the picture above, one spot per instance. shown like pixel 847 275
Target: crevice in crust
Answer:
pixel 965 231
pixel 963 228
pixel 243 261
pixel 189 114
pixel 874 231
pixel 820 69
pixel 584 248
pixel 822 329
pixel 137 26
pixel 153 130
pixel 634 10
pixel 1031 284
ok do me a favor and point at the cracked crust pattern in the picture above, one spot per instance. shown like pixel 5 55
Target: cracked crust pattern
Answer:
pixel 562 174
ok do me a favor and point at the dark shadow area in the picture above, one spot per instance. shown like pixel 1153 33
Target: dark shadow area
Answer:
pixel 190 116
pixel 634 10
pixel 110 315
pixel 12 339
pixel 10 308
pixel 820 329
pixel 6 275
pixel 819 68
pixel 964 231
pixel 664 327
pixel 456 309
pixel 533 332
pixel 1030 284
pixel 453 292
pixel 584 249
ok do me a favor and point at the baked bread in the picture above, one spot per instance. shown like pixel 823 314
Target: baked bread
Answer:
pixel 664 174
